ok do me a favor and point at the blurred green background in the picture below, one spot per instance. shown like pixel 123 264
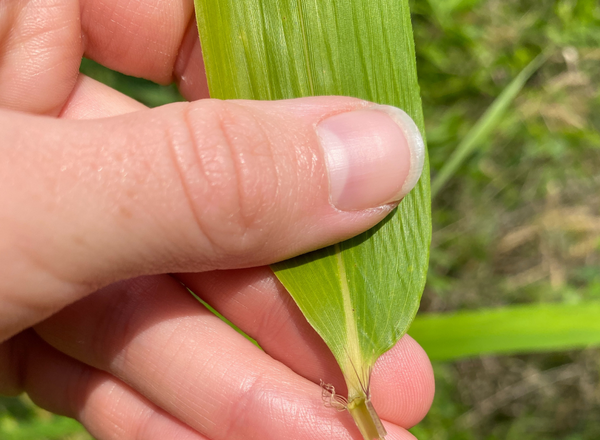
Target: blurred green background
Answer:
pixel 518 222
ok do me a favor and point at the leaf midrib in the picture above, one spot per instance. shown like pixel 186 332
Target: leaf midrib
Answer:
pixel 353 346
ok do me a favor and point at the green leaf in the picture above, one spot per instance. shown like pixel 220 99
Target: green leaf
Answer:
pixel 50 428
pixel 362 294
pixel 509 330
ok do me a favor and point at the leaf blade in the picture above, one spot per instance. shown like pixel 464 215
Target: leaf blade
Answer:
pixel 508 330
pixel 277 49
pixel 486 124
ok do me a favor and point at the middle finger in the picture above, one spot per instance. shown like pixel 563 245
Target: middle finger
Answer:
pixel 152 39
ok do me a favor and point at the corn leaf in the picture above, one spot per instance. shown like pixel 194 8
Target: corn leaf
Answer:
pixel 508 330
pixel 360 295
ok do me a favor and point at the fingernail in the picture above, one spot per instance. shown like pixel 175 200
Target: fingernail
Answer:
pixel 373 156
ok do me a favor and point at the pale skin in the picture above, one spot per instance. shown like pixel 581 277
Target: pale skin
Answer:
pixel 101 199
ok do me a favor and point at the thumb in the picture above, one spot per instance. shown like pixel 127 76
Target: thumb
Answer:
pixel 188 187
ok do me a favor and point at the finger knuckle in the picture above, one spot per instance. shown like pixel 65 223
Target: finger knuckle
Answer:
pixel 231 176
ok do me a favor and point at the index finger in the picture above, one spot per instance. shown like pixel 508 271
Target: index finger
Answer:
pixel 152 39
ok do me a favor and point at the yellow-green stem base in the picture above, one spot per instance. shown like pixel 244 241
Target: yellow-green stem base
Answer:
pixel 366 419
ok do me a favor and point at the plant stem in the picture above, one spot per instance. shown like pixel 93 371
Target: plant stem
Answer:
pixel 366 418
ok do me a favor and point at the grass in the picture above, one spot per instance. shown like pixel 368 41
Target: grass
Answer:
pixel 517 221
pixel 508 330
pixel 20 419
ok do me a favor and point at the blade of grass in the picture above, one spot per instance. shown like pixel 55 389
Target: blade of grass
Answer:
pixel 222 318
pixel 485 124
pixel 510 330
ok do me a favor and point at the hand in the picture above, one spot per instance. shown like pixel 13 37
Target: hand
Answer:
pixel 102 195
